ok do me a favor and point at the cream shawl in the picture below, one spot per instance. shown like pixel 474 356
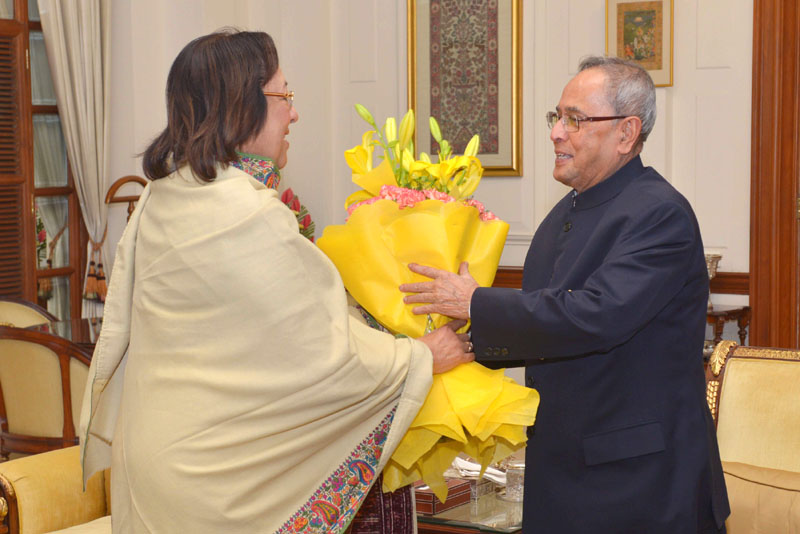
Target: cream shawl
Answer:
pixel 238 391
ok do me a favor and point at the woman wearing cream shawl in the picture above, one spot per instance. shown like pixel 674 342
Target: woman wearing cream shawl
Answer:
pixel 232 389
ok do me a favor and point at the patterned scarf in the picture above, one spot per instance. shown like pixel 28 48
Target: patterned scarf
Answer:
pixel 262 169
pixel 267 172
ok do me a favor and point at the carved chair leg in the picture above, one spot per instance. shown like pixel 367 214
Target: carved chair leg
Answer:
pixel 719 326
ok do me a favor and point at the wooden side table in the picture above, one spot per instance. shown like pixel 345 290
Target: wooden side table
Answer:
pixel 720 315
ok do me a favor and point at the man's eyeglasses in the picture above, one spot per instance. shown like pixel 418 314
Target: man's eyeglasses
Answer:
pixel 571 122
pixel 289 97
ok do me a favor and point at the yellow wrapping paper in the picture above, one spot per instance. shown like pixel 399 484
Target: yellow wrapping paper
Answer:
pixel 373 249
pixel 470 409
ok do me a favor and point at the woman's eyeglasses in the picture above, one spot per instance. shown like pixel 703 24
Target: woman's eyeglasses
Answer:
pixel 289 96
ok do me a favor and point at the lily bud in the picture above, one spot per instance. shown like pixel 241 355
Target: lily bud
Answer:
pixel 390 129
pixel 472 146
pixel 366 115
pixel 407 128
pixel 408 159
pixel 369 146
pixel 444 149
pixel 435 131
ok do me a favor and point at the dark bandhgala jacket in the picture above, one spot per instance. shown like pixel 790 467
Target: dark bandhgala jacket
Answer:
pixel 610 325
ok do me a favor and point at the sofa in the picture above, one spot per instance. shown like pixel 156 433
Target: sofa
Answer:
pixel 754 396
pixel 43 493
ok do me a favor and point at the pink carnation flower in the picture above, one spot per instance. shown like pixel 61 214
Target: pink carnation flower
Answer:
pixel 438 195
pixel 352 207
pixel 407 198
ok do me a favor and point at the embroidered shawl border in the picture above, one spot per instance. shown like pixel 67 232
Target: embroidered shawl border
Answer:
pixel 334 504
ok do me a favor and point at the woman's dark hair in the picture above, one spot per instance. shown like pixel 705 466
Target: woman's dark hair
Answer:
pixel 214 102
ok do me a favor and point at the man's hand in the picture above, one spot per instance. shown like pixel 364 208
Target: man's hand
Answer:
pixel 447 293
pixel 448 348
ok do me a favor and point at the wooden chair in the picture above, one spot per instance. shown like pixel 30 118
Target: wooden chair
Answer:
pixel 22 314
pixel 42 378
pixel 111 197
pixel 754 396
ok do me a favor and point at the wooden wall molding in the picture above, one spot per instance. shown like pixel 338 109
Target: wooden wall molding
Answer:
pixel 508 277
pixel 728 283
pixel 775 170
pixel 731 283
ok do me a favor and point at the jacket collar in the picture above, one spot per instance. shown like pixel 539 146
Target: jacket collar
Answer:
pixel 610 187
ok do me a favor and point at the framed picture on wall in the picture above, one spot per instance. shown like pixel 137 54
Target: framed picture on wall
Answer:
pixel 642 32
pixel 464 69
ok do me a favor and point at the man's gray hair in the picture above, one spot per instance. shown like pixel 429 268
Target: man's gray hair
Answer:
pixel 629 89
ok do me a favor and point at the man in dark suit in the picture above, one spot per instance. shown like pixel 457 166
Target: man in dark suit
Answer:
pixel 609 325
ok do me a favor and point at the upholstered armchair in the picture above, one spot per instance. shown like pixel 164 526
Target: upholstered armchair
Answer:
pixel 42 378
pixel 754 396
pixel 43 493
pixel 22 314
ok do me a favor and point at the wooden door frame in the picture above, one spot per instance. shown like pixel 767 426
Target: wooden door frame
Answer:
pixel 775 172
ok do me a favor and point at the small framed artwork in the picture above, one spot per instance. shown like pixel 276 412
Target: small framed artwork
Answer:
pixel 642 32
pixel 464 69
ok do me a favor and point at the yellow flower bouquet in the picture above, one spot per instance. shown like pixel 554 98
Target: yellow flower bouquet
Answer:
pixel 415 210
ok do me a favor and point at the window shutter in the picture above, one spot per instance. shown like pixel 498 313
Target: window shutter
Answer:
pixel 13 189
pixel 9 107
pixel 12 273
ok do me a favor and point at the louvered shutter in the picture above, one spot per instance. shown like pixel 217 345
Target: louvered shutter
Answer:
pixel 12 264
pixel 14 278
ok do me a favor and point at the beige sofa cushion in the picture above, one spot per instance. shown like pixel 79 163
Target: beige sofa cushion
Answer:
pixel 763 501
pixel 758 401
pixel 50 492
pixel 98 526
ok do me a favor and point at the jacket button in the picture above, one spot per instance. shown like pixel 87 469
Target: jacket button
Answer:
pixel 567 226
pixel 529 381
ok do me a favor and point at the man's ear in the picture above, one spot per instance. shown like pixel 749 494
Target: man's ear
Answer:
pixel 629 131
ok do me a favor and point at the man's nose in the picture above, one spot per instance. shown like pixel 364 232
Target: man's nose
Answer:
pixel 558 132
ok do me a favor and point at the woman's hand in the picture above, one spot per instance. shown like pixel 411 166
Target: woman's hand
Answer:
pixel 449 349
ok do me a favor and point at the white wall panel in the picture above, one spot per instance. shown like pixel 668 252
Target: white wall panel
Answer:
pixel 722 192
pixel 717 33
pixel 362 41
pixel 339 52
pixel 585 32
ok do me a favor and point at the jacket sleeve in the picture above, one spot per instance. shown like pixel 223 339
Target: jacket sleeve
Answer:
pixel 645 267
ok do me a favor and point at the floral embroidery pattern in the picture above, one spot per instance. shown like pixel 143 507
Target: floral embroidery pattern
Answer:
pixel 301 212
pixel 262 169
pixel 334 504
pixel 265 171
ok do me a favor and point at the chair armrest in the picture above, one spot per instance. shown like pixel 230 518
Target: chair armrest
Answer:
pixel 44 492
